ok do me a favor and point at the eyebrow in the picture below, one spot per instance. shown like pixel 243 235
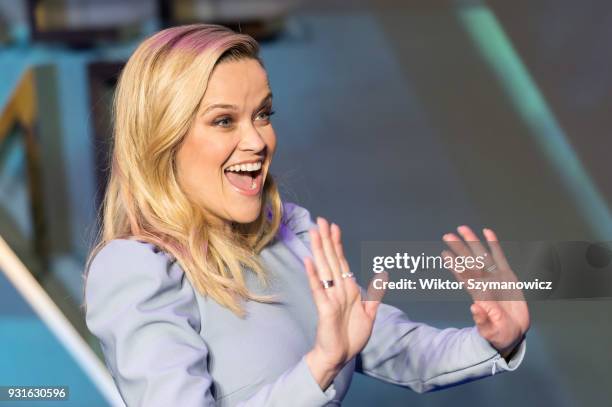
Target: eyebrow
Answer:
pixel 268 97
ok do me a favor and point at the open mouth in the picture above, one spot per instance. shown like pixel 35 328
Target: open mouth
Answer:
pixel 246 178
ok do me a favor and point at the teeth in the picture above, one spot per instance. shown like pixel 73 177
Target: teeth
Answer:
pixel 245 167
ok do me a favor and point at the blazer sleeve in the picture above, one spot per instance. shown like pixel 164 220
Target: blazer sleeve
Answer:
pixel 424 358
pixel 144 311
pixel 412 354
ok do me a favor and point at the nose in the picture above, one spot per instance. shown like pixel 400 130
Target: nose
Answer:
pixel 251 140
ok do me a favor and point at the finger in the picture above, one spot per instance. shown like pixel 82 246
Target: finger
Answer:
pixel 318 292
pixel 338 248
pixel 350 285
pixel 482 320
pixel 491 308
pixel 371 308
pixel 375 295
pixel 495 314
pixel 459 276
pixel 479 314
pixel 506 273
pixel 449 257
pixel 320 261
pixel 330 254
pixel 474 244
pixel 496 250
pixel 456 245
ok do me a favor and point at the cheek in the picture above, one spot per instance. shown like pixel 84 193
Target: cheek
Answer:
pixel 200 161
pixel 213 156
pixel 270 140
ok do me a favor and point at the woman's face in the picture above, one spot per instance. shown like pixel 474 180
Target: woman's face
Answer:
pixel 226 155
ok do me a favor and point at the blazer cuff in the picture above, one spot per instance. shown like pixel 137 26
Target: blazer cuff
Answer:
pixel 499 364
pixel 516 359
pixel 311 394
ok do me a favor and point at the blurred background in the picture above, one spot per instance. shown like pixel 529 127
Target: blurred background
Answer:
pixel 399 120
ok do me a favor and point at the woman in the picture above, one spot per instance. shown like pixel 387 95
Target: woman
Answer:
pixel 199 287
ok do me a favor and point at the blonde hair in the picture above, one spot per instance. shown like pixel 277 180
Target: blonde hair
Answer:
pixel 157 97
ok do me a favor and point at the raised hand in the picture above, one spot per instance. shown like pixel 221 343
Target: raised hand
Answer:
pixel 502 322
pixel 345 319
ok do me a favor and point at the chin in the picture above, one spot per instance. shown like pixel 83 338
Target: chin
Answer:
pixel 246 213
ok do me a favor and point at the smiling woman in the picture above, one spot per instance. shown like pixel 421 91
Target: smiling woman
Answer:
pixel 169 182
pixel 198 287
pixel 231 142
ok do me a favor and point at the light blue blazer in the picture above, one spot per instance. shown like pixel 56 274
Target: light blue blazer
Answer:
pixel 166 345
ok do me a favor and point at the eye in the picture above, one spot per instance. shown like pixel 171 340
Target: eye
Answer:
pixel 223 122
pixel 265 115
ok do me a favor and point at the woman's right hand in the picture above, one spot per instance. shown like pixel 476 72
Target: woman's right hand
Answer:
pixel 345 319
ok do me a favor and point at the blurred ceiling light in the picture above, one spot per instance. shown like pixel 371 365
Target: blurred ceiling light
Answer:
pixel 262 19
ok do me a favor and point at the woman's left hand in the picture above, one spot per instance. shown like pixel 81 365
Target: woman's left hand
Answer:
pixel 501 322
